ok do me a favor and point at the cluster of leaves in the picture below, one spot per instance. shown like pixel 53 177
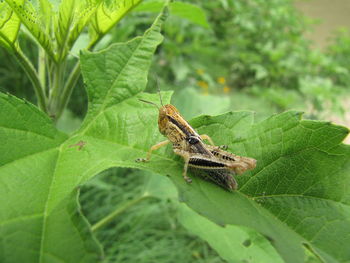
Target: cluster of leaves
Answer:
pixel 54 27
pixel 268 54
pixel 298 196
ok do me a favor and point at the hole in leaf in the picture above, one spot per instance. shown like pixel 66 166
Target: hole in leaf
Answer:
pixel 269 239
pixel 247 243
pixel 309 248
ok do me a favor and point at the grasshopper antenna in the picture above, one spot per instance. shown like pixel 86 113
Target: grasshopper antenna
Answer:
pixel 160 96
pixel 149 102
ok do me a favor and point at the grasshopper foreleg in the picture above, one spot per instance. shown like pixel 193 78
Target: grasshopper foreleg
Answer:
pixel 153 148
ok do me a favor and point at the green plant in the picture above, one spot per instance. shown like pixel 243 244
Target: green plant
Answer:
pixel 145 226
pixel 54 28
pixel 258 48
pixel 297 197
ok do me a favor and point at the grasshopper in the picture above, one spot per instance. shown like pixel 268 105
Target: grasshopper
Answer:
pixel 217 163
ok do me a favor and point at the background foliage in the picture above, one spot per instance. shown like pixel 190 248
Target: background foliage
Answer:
pixel 227 55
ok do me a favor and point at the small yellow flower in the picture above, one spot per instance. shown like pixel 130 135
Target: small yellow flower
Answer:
pixel 203 84
pixel 226 89
pixel 200 71
pixel 221 80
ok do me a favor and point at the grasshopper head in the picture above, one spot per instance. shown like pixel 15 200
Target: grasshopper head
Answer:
pixel 163 118
pixel 169 119
pixel 165 113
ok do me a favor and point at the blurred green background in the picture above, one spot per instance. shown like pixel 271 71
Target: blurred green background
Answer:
pixel 258 55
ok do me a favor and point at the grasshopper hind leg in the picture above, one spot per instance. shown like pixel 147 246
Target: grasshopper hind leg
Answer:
pixel 220 177
pixel 207 137
pixel 223 147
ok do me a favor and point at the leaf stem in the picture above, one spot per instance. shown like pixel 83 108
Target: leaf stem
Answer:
pixel 42 68
pixel 107 219
pixel 55 89
pixel 34 78
pixel 68 88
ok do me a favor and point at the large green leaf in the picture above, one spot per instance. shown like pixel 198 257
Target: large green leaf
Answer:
pixel 40 168
pixel 30 229
pixel 299 192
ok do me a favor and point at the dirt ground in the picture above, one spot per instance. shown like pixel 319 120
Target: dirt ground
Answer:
pixel 330 15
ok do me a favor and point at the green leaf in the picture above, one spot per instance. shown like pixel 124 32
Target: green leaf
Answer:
pixel 230 240
pixel 40 168
pixel 63 19
pixel 107 15
pixel 210 104
pixel 9 26
pixel 22 125
pixel 299 192
pixel 149 6
pixel 30 229
pixel 227 240
pixel 191 12
pixel 159 187
pixel 70 21
pixel 35 21
pixel 126 59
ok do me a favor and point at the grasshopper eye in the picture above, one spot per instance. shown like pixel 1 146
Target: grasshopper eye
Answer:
pixel 192 140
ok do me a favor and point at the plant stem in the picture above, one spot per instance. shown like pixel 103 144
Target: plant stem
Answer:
pixel 33 76
pixel 107 219
pixel 68 88
pixel 42 68
pixel 56 88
